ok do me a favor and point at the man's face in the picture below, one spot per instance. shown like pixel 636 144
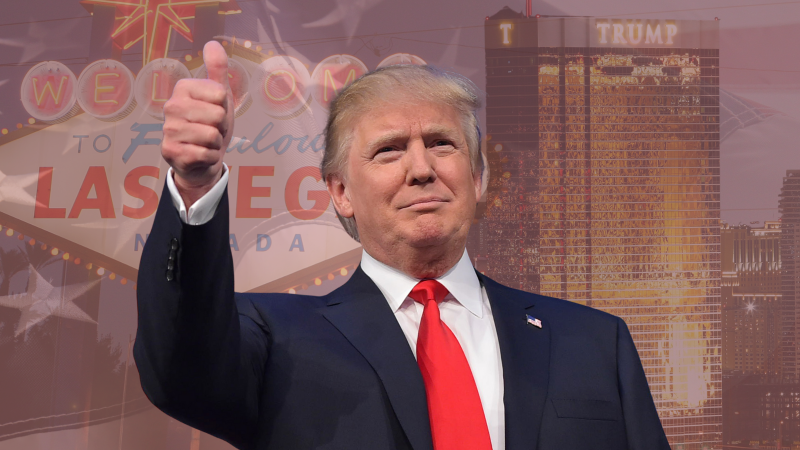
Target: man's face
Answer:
pixel 408 179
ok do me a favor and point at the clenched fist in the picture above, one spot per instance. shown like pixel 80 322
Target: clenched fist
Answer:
pixel 198 125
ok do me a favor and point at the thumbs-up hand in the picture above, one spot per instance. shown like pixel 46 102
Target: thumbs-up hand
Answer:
pixel 198 126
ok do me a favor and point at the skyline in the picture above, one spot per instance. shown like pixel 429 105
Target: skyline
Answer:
pixel 758 125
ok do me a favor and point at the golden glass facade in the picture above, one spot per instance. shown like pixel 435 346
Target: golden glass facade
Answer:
pixel 605 191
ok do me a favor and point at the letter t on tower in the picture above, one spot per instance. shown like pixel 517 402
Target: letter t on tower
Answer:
pixel 505 27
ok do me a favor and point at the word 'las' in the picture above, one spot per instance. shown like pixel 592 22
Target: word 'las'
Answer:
pixel 96 181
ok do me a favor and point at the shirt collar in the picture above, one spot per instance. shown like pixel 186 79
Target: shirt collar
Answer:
pixel 460 280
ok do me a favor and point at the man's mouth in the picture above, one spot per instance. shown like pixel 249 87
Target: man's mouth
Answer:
pixel 424 202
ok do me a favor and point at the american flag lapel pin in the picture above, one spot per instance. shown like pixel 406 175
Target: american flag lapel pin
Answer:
pixel 534 321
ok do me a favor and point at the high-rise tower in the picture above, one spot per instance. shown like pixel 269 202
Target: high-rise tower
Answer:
pixel 604 155
pixel 751 299
pixel 789 207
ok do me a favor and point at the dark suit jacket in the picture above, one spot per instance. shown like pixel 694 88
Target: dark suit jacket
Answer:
pixel 280 371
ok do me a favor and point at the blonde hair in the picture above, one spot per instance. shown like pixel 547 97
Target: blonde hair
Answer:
pixel 420 83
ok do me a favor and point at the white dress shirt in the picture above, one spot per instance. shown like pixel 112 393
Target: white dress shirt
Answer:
pixel 465 310
pixel 203 209
pixel 467 313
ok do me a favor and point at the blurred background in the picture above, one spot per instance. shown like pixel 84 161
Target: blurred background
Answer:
pixel 642 160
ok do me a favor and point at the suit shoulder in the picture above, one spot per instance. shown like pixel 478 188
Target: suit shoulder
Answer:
pixel 574 309
pixel 555 306
pixel 276 304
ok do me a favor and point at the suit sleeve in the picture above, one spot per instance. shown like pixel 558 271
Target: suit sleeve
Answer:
pixel 642 424
pixel 199 359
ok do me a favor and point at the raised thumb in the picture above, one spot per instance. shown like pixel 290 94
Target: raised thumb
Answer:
pixel 216 61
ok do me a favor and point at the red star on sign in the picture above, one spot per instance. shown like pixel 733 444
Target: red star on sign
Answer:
pixel 152 21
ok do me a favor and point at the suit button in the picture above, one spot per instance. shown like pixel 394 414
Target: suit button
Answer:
pixel 173 244
pixel 170 275
pixel 170 266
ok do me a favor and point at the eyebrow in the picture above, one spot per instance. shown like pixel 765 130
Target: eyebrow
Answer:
pixel 393 136
pixel 387 138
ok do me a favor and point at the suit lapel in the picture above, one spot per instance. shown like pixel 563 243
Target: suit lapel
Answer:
pixel 360 312
pixel 525 355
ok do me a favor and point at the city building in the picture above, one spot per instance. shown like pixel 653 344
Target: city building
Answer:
pixel 789 207
pixel 603 146
pixel 751 299
pixel 761 412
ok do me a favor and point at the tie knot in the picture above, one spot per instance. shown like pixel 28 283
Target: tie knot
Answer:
pixel 427 290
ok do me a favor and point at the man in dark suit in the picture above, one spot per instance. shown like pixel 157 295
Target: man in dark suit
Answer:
pixel 417 350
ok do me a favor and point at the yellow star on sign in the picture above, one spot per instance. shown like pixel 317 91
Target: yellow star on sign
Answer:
pixel 152 22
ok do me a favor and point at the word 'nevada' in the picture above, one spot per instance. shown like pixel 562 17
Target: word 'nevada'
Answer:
pixel 96 180
pixel 261 243
pixel 635 33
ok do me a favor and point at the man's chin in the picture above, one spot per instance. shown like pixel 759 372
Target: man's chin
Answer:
pixel 430 231
pixel 428 237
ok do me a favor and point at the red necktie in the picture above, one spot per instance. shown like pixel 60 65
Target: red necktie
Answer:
pixel 454 406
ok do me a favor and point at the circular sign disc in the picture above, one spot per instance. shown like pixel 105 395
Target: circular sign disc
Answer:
pixel 333 74
pixel 281 87
pixel 105 89
pixel 48 91
pixel 239 80
pixel 155 83
pixel 401 58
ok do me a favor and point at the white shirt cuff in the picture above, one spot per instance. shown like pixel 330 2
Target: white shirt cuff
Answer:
pixel 203 209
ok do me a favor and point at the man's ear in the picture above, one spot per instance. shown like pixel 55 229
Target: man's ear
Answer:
pixel 477 179
pixel 337 189
pixel 481 177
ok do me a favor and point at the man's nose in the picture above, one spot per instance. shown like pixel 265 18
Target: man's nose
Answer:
pixel 419 164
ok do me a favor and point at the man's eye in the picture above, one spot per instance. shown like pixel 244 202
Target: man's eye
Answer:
pixel 386 152
pixel 442 142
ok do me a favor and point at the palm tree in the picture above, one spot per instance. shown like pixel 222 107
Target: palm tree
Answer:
pixel 11 262
pixel 39 257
